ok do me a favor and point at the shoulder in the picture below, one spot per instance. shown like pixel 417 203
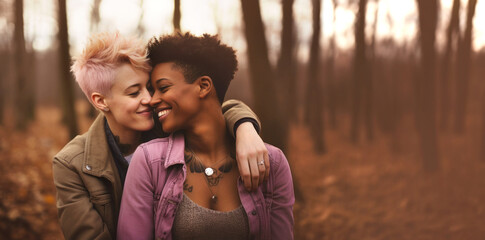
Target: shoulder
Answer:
pixel 277 158
pixel 152 144
pixel 153 150
pixel 280 182
pixel 73 151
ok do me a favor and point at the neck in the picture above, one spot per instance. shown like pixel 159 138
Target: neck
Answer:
pixel 126 139
pixel 207 136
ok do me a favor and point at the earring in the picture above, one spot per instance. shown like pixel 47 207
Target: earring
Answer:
pixel 105 109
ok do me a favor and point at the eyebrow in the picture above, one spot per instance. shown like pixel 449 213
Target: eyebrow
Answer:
pixel 132 86
pixel 161 79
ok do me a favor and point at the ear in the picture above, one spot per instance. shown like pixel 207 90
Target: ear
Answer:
pixel 205 85
pixel 99 101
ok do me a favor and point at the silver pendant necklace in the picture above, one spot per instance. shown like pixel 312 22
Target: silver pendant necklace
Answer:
pixel 213 197
pixel 210 173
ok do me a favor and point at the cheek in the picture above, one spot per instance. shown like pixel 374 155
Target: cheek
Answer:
pixel 127 107
pixel 181 97
pixel 189 96
pixel 133 105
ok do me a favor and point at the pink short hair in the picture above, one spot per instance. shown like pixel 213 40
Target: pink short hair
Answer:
pixel 95 68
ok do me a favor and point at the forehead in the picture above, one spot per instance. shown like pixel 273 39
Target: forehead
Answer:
pixel 167 71
pixel 126 76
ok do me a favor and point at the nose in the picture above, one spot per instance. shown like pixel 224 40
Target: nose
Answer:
pixel 146 98
pixel 155 101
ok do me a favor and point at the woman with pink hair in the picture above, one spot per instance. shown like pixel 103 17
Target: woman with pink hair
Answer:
pixel 89 172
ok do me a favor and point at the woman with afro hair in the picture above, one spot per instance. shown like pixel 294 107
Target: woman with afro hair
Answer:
pixel 188 186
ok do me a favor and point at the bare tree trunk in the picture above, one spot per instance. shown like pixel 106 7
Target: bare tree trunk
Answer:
pixel 140 29
pixel 428 17
pixel 262 81
pixel 463 71
pixel 262 76
pixel 452 32
pixel 21 119
pixel 94 26
pixel 4 66
pixel 314 102
pixel 30 81
pixel 95 17
pixel 67 93
pixel 361 70
pixel 176 16
pixel 395 109
pixel 368 86
pixel 482 145
pixel 330 74
pixel 286 65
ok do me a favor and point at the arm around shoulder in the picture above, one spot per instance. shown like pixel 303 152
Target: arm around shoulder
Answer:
pixel 235 110
pixel 250 148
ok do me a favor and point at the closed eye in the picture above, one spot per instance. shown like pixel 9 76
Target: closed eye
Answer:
pixel 163 89
pixel 134 94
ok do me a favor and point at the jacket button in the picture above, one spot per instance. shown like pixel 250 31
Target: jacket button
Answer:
pixel 254 212
pixel 88 167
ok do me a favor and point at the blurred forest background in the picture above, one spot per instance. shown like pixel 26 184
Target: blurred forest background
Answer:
pixel 378 104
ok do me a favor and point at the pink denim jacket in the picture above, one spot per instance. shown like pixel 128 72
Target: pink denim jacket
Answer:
pixel 154 188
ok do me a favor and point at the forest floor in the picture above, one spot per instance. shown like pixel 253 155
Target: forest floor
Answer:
pixel 379 191
pixel 372 190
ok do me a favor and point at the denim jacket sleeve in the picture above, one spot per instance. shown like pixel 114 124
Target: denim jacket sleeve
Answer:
pixel 136 213
pixel 281 213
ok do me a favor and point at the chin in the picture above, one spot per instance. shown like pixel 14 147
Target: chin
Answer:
pixel 168 128
pixel 145 127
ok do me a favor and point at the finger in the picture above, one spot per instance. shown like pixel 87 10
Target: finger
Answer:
pixel 261 168
pixel 267 165
pixel 253 166
pixel 244 171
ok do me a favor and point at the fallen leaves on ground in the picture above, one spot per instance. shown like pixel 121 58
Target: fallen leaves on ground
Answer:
pixel 373 190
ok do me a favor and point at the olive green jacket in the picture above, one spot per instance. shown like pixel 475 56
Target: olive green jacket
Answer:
pixel 88 183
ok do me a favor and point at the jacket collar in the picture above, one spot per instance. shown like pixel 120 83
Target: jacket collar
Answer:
pixel 175 151
pixel 98 160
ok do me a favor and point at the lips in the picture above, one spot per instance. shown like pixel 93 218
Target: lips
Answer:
pixel 147 112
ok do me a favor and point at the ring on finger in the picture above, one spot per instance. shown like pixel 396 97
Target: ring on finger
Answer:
pixel 261 162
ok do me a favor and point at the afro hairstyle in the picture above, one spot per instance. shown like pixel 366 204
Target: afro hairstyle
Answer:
pixel 196 56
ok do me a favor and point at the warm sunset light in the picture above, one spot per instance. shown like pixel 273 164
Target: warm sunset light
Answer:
pixel 242 119
pixel 211 16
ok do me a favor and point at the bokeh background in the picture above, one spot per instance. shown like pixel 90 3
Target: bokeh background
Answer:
pixel 378 104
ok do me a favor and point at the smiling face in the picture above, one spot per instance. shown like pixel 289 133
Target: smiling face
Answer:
pixel 175 101
pixel 129 99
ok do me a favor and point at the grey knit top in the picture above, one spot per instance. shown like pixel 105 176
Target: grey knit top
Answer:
pixel 193 221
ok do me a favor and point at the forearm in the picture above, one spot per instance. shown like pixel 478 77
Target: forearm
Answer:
pixel 251 153
pixel 236 112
